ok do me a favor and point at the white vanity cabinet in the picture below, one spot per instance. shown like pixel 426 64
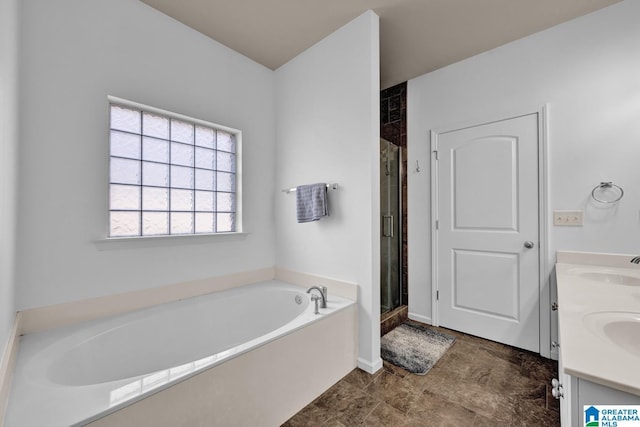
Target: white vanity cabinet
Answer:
pixel 577 392
pixel 564 392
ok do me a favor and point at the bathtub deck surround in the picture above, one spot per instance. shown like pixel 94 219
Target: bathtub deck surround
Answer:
pixel 53 316
pixel 340 288
pixel 132 376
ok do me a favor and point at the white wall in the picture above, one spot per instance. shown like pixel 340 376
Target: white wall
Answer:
pixel 8 161
pixel 587 71
pixel 73 54
pixel 328 131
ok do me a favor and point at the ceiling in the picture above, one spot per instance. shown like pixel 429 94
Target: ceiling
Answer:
pixel 416 36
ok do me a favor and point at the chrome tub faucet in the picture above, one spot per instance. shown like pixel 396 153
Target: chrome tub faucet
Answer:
pixel 323 294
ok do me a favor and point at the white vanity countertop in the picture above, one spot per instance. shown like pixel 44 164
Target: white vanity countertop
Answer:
pixel 593 287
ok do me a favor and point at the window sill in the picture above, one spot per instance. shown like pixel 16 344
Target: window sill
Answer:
pixel 158 241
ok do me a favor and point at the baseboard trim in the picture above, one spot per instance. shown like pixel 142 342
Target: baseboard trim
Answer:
pixel 7 366
pixel 419 318
pixel 53 316
pixel 368 366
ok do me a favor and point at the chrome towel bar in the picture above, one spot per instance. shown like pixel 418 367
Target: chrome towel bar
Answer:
pixel 293 189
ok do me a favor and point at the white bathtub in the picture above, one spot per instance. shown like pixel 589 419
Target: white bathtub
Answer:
pixel 81 373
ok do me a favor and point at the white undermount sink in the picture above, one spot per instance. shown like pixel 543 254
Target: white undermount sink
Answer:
pixel 618 329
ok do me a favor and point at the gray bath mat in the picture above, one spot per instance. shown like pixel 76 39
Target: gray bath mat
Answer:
pixel 414 348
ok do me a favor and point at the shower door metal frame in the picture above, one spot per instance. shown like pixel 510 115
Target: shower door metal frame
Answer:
pixel 397 221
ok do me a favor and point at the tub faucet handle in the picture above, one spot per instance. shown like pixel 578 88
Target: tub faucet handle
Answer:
pixel 315 298
pixel 322 294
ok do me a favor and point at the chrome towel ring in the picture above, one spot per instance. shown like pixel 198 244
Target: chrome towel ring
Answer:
pixel 600 191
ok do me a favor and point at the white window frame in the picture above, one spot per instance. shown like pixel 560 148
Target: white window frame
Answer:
pixel 112 100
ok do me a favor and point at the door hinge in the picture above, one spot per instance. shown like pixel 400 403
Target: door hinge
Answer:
pixel 435 153
pixel 437 224
pixel 437 295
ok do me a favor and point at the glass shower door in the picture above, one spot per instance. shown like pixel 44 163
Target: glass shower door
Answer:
pixel 390 221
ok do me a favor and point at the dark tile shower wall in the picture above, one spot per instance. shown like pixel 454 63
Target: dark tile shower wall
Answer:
pixel 393 128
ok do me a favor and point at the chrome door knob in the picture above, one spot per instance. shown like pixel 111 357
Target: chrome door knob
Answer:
pixel 528 244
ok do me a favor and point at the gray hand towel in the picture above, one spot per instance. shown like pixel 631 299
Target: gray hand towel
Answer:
pixel 311 202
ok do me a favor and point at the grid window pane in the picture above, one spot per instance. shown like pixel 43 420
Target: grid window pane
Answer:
pixel 226 161
pixel 154 125
pixel 125 145
pixel 205 137
pixel 225 222
pixel 125 119
pixel 181 200
pixel 204 158
pixel 226 182
pixel 181 131
pixel 204 223
pixel 226 142
pixel 155 199
pixel 124 224
pixel 181 154
pixel 155 174
pixel 169 176
pixel 124 197
pixel 181 177
pixel 155 223
pixel 155 150
pixel 226 202
pixel 204 179
pixel 204 201
pixel 181 223
pixel 125 171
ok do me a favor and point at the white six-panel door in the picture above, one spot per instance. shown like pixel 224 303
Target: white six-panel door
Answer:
pixel 487 270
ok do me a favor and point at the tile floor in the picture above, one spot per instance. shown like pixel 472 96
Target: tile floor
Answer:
pixel 476 383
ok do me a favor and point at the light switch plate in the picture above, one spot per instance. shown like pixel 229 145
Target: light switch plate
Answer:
pixel 570 218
